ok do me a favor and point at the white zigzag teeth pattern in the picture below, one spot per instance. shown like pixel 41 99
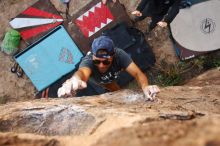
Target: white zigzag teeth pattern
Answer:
pixel 90 33
pixel 102 25
pixel 108 21
pixel 92 10
pixel 99 5
pixel 86 14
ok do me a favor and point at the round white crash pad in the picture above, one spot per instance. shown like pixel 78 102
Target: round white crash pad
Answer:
pixel 198 28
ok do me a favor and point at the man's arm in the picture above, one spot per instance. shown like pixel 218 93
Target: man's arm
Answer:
pixel 83 74
pixel 77 81
pixel 149 91
pixel 135 72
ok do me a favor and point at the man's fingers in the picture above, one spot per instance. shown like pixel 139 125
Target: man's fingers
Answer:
pixel 66 95
pixel 154 89
pixel 151 92
pixel 75 86
pixel 147 94
pixel 148 97
pixel 67 88
pixel 83 85
pixel 60 92
pixel 75 83
pixel 157 89
pixel 78 85
pixel 154 95
pixel 70 87
pixel 73 92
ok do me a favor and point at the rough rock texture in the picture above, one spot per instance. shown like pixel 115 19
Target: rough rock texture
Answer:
pixel 179 116
pixel 211 77
pixel 166 133
pixel 47 120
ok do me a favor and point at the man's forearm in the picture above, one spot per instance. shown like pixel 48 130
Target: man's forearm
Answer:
pixel 135 72
pixel 82 74
pixel 142 80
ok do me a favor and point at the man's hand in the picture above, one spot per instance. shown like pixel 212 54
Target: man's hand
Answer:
pixel 162 24
pixel 137 13
pixel 70 86
pixel 105 1
pixel 150 92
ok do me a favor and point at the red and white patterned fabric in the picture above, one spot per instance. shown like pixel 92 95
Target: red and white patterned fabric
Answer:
pixel 94 19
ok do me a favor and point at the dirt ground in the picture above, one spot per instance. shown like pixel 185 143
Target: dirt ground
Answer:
pixel 12 88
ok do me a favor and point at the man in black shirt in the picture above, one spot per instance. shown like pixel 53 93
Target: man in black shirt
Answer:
pixel 161 12
pixel 104 63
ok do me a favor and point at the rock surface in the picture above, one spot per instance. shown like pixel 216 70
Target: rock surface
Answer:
pixel 210 77
pixel 179 116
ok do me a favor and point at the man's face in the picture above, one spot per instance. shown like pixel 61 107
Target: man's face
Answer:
pixel 102 64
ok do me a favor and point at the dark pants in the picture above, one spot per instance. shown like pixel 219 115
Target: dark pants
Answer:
pixel 155 18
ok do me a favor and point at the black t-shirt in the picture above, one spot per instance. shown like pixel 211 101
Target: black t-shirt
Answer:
pixel 120 62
